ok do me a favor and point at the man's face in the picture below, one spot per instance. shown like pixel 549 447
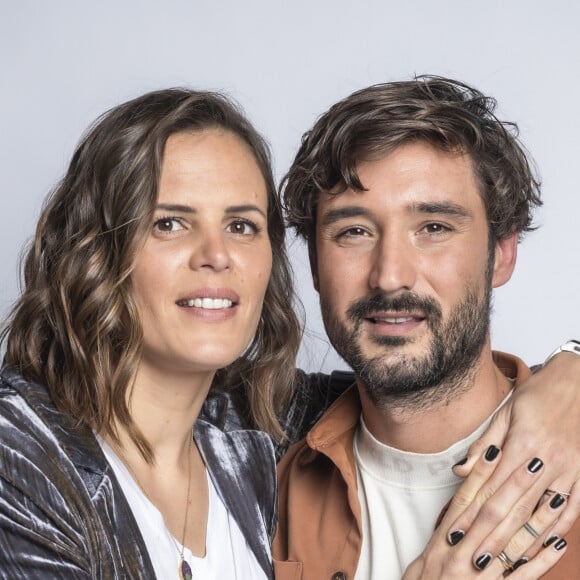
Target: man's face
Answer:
pixel 405 271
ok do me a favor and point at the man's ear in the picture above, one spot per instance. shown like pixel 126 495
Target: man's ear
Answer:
pixel 313 263
pixel 506 252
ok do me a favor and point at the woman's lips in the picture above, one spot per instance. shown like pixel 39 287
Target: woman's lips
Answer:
pixel 206 303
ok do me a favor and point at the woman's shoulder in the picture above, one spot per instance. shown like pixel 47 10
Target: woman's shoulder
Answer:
pixel 25 408
pixel 35 436
pixel 60 503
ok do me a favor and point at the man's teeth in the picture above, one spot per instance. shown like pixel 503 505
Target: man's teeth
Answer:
pixel 398 320
pixel 209 303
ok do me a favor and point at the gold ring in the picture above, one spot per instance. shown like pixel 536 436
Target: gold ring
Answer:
pixel 505 560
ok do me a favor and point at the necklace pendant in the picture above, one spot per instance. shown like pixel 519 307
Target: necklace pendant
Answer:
pixel 185 572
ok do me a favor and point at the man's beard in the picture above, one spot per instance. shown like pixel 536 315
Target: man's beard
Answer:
pixel 446 370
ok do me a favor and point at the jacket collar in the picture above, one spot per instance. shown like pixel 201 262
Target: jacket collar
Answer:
pixel 337 426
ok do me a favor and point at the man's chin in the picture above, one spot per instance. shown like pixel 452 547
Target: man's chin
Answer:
pixel 394 345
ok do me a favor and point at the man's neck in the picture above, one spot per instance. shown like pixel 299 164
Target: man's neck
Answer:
pixel 433 428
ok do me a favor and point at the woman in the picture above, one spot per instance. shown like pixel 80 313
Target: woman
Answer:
pixel 158 271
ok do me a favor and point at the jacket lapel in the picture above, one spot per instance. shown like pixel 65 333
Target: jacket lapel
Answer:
pixel 241 465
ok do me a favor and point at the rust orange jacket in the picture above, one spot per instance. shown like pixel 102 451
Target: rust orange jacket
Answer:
pixel 319 529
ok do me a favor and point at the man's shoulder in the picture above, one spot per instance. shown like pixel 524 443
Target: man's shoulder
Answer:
pixel 328 444
pixel 511 366
pixel 313 394
pixel 315 511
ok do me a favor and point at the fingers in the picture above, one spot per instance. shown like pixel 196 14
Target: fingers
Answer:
pixel 537 566
pixel 524 544
pixel 471 489
pixel 442 561
pixel 505 527
pixel 505 509
pixel 571 510
pixel 542 416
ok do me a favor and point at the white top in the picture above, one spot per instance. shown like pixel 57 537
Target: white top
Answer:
pixel 227 554
pixel 407 492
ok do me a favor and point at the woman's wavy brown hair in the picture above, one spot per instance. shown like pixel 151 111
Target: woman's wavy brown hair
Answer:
pixel 76 327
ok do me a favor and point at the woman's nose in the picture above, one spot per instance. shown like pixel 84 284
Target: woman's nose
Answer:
pixel 210 251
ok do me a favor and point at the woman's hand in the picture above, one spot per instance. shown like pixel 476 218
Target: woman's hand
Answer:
pixel 453 553
pixel 542 419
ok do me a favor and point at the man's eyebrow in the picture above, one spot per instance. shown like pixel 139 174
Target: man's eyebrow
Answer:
pixel 233 209
pixel 334 215
pixel 444 207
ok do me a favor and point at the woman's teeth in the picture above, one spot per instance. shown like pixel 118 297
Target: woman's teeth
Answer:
pixel 207 303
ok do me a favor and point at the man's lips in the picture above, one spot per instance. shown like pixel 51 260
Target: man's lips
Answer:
pixel 395 318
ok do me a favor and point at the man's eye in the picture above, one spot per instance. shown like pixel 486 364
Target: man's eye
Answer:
pixel 167 225
pixel 436 228
pixel 353 232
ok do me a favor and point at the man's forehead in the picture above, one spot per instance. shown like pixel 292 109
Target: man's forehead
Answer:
pixel 410 154
pixel 415 174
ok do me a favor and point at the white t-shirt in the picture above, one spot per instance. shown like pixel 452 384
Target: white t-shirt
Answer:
pixel 407 492
pixel 227 553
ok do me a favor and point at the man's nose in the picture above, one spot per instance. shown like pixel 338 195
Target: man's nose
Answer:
pixel 393 265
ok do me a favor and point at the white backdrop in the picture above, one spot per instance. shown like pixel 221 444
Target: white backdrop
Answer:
pixel 64 62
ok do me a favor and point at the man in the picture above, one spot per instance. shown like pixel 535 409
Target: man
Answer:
pixel 412 197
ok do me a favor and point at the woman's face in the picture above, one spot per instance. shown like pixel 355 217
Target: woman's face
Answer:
pixel 200 278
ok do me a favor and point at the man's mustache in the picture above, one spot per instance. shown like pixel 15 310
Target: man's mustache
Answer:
pixel 407 302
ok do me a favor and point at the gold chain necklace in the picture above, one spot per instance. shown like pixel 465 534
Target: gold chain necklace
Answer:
pixel 184 569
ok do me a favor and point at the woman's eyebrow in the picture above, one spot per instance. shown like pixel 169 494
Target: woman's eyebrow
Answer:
pixel 180 208
pixel 177 207
pixel 244 208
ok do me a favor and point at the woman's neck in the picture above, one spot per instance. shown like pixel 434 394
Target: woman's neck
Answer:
pixel 164 407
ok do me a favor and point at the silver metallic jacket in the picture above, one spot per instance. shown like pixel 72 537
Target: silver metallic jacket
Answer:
pixel 63 513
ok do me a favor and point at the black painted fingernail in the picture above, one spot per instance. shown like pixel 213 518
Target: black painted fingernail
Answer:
pixel 461 462
pixel 550 541
pixel 483 561
pixel 455 537
pixel 535 465
pixel 519 563
pixel 491 453
pixel 557 501
pixel 560 545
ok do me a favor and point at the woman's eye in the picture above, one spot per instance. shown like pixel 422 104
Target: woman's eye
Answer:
pixel 243 227
pixel 167 225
